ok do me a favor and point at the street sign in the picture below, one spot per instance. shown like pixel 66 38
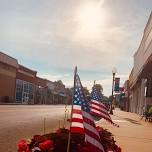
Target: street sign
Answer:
pixel 117 82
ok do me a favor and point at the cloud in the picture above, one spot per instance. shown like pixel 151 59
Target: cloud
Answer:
pixel 54 40
pixel 54 77
pixel 47 33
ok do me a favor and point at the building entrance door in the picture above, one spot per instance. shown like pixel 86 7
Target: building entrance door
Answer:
pixel 25 98
pixel 25 95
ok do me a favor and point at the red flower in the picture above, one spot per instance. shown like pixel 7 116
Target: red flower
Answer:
pixel 99 129
pixel 58 131
pixel 119 149
pixel 22 146
pixel 46 145
pixel 86 148
pixel 83 149
pixel 37 138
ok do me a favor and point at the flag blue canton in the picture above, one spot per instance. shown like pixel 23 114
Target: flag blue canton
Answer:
pixel 79 97
pixel 96 95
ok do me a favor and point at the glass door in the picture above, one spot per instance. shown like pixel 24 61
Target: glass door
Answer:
pixel 25 95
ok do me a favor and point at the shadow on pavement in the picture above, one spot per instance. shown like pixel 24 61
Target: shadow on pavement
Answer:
pixel 130 120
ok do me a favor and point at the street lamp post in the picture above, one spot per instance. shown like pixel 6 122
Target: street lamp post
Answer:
pixel 43 94
pixel 114 70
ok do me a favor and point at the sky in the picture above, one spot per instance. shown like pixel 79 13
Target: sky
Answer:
pixel 54 36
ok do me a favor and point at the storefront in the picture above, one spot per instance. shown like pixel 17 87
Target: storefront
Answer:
pixel 25 85
pixel 141 85
pixel 21 85
pixel 24 91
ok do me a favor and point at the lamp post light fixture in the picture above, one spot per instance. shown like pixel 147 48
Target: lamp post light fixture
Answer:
pixel 114 71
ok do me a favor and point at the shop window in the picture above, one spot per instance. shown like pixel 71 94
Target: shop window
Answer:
pixel 19 90
pixel 22 88
pixel 19 85
pixel 149 88
pixel 30 88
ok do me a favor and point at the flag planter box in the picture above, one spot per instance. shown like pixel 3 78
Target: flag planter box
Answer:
pixel 57 142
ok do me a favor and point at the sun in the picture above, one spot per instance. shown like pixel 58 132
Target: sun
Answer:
pixel 90 19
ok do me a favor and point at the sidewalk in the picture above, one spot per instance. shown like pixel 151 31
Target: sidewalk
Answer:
pixel 133 135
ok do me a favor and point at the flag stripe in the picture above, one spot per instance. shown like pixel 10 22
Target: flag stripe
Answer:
pixel 75 129
pixel 100 113
pixel 102 116
pixel 91 134
pixel 77 124
pixel 97 103
pixel 94 142
pixel 99 109
pixel 77 120
pixel 75 115
pixel 78 107
pixel 88 116
pixel 76 111
pixel 90 128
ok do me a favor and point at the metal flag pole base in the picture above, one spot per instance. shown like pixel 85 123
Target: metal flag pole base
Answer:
pixel 111 112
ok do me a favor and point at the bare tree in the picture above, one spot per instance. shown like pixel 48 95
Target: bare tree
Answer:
pixel 99 87
pixel 86 91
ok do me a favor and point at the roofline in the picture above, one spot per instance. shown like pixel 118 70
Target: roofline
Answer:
pixel 9 65
pixel 41 78
pixel 147 23
pixel 27 68
pixel 9 56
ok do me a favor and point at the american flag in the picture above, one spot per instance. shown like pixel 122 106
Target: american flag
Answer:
pixel 82 121
pixel 97 108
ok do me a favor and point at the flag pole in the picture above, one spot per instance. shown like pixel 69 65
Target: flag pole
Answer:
pixel 69 137
pixel 64 121
pixel 94 82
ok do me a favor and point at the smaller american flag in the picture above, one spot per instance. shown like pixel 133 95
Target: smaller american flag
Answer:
pixel 97 108
pixel 82 121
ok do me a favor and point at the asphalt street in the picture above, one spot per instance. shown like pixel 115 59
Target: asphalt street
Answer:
pixel 24 121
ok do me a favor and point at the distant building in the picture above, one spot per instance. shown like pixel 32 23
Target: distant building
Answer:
pixel 124 97
pixel 19 84
pixel 60 91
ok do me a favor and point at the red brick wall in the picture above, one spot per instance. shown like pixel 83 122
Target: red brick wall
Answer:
pixel 7 88
pixel 25 78
pixel 41 82
pixel 25 69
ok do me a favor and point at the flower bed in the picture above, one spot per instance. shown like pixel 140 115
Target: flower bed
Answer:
pixel 57 142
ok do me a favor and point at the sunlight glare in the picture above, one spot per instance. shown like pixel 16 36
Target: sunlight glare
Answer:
pixel 91 20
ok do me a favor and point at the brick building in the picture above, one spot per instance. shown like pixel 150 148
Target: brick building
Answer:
pixel 8 70
pixel 60 92
pixel 25 83
pixel 140 81
pixel 19 84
